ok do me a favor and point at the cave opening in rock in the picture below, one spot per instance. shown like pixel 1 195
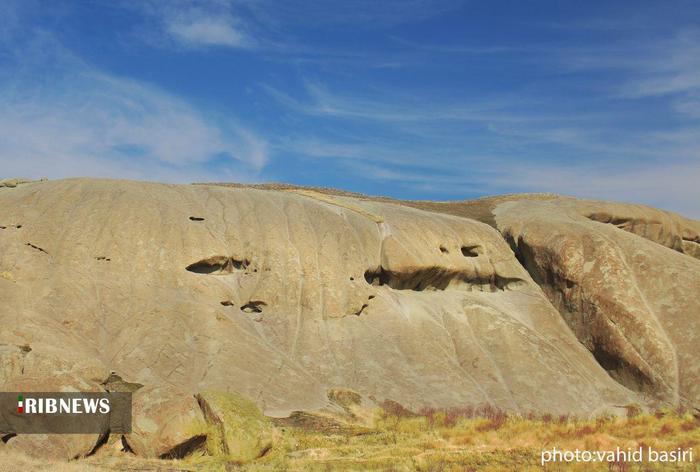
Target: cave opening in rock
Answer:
pixel 253 306
pixel 217 265
pixel 471 251
pixel 438 278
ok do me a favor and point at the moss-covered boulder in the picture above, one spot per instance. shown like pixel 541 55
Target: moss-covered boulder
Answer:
pixel 237 430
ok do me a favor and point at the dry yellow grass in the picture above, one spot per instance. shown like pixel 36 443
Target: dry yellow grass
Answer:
pixel 433 441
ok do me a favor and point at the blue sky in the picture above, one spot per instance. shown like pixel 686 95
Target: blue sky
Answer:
pixel 422 99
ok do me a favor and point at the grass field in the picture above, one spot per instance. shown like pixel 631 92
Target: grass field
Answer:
pixel 488 440
pixel 433 440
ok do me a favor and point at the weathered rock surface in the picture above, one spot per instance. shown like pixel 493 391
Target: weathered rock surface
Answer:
pixel 665 228
pixel 167 423
pixel 631 301
pixel 283 295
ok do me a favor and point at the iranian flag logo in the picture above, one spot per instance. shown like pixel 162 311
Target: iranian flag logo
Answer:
pixel 20 404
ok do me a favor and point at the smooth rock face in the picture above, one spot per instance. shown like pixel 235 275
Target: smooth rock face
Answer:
pixel 281 296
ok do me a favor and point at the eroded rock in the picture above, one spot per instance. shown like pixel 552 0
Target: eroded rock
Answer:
pixel 633 303
pixel 283 295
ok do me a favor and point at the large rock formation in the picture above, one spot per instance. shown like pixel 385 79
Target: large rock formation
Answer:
pixel 283 295
pixel 631 301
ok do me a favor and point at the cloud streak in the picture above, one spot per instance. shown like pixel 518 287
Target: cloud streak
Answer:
pixel 393 109
pixel 81 121
pixel 356 91
pixel 193 24
pixel 205 31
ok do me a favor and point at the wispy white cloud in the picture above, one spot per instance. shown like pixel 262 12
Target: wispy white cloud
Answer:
pixel 655 67
pixel 530 141
pixel 516 122
pixel 672 67
pixel 270 27
pixel 383 107
pixel 71 119
pixel 580 121
pixel 205 31
pixel 194 24
pixel 653 166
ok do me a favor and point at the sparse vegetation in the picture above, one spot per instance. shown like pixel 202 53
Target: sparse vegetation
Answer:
pixel 458 439
pixel 482 438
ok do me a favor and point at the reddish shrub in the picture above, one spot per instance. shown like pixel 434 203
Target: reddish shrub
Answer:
pixel 585 431
pixel 450 416
pixel 666 429
pixel 492 424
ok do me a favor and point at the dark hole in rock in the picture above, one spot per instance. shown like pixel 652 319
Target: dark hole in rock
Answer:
pixel 227 303
pixel 253 306
pixel 103 258
pixel 471 251
pixel 18 226
pixel 444 250
pixel 621 371
pixel 218 265
pixel 25 348
pixel 7 437
pixel 439 278
pixel 359 312
pixel 37 248
pixel 196 218
pixel 377 277
pixel 352 278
